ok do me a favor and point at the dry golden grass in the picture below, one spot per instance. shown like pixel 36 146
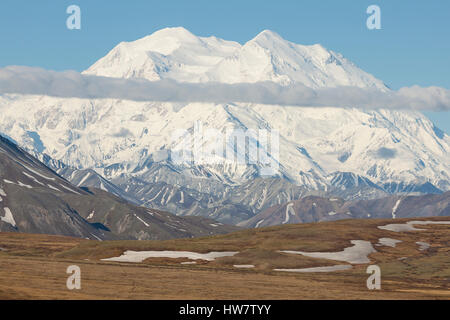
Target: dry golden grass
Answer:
pixel 34 266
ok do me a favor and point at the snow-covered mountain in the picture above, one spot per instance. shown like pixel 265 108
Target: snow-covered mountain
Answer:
pixel 175 53
pixel 320 149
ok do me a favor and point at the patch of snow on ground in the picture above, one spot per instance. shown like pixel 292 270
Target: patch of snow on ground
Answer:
pixel 259 223
pixel 69 189
pixel 394 209
pixel 182 197
pixel 388 242
pixel 8 218
pixel 402 227
pixel 319 269
pixel 289 210
pixel 84 179
pixel 54 188
pixel 145 223
pixel 96 237
pixel 21 184
pixel 139 256
pixel 423 245
pixel 33 178
pixel 91 215
pixel 38 173
pixel 357 254
pixel 2 192
pixel 244 266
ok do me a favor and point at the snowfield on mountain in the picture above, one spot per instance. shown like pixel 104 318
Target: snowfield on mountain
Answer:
pixel 328 149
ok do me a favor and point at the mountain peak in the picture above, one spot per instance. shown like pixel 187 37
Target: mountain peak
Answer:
pixel 267 38
pixel 175 53
pixel 267 34
pixel 174 32
pixel 272 36
pixel 164 41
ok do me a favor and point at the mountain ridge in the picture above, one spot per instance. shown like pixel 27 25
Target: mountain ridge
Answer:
pixel 156 56
pixel 388 151
pixel 35 199
pixel 317 209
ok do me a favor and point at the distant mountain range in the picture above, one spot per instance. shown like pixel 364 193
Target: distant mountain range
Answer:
pixel 317 209
pixel 126 147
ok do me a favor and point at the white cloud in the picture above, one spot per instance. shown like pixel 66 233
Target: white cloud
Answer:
pixel 37 81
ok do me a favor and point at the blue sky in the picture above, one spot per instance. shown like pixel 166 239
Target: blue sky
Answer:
pixel 412 48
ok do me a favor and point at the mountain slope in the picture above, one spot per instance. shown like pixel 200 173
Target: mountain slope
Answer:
pixel 314 209
pixel 131 222
pixel 34 199
pixel 269 57
pixel 320 149
pixel 171 53
pixel 313 142
pixel 91 179
pixel 30 198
